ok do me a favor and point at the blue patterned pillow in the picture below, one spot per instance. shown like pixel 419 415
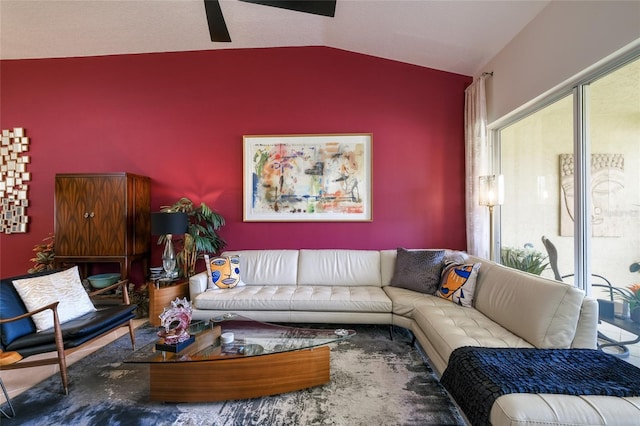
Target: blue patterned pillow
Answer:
pixel 458 282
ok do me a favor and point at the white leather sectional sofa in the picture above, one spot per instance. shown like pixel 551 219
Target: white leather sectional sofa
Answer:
pixel 511 309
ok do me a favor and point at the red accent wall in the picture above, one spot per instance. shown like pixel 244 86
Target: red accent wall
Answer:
pixel 180 117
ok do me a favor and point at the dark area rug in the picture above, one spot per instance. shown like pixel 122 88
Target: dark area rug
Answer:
pixel 374 381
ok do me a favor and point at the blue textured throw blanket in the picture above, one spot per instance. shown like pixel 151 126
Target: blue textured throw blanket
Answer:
pixel 475 377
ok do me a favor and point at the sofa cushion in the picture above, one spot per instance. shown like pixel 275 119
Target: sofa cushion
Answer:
pixel 305 298
pixel 267 267
pixel 64 287
pixel 551 308
pixel 250 297
pixel 458 282
pixel 448 326
pixel 418 270
pixel 339 268
pixel 406 301
pixel 340 299
pixel 562 410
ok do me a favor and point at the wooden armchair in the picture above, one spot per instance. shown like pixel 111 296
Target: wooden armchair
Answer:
pixel 18 332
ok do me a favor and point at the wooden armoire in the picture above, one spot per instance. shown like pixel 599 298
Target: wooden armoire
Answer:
pixel 103 217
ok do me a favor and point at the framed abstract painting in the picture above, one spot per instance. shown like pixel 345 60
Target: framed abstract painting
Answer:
pixel 307 178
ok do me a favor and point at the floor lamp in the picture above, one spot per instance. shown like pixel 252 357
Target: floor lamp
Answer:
pixel 491 194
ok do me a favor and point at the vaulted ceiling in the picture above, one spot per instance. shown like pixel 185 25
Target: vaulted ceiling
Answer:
pixel 450 35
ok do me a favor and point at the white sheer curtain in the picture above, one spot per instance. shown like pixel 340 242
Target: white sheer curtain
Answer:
pixel 477 163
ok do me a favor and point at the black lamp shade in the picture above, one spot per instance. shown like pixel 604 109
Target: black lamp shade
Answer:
pixel 163 223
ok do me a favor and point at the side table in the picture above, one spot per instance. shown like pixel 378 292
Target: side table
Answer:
pixel 624 324
pixel 161 297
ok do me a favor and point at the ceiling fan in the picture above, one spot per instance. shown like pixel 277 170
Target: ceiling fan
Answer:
pixel 218 28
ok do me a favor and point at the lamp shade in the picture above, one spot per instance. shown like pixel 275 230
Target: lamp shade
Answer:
pixel 491 190
pixel 163 223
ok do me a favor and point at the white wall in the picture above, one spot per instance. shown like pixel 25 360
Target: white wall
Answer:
pixel 566 38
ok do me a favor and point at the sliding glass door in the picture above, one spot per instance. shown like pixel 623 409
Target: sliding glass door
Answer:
pixel 572 173
pixel 613 125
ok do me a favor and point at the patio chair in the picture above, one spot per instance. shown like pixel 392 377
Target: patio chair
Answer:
pixel 553 263
pixel 606 306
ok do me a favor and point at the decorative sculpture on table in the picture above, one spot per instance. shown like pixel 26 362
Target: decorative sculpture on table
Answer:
pixel 175 322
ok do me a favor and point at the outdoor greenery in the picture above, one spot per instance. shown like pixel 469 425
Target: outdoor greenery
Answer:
pixel 201 238
pixel 525 259
pixel 632 296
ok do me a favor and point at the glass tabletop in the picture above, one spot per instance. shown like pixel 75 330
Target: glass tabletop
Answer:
pixel 250 338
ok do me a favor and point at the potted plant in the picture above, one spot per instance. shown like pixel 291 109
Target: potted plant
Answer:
pixel 45 256
pixel 525 259
pixel 201 238
pixel 631 295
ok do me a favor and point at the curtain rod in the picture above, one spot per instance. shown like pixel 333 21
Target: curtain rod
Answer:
pixel 487 74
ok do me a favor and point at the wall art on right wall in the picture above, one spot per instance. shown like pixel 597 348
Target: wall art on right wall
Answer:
pixel 607 192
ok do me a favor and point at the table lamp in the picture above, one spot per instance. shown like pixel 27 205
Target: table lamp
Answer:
pixel 169 224
pixel 491 193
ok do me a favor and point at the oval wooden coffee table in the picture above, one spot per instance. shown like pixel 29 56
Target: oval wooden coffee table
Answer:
pixel 264 359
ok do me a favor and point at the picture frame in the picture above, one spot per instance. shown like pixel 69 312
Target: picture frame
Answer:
pixel 307 178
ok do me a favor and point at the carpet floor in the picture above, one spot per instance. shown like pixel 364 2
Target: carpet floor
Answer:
pixel 374 381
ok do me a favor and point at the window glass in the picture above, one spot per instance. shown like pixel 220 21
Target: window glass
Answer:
pixel 614 133
pixel 536 161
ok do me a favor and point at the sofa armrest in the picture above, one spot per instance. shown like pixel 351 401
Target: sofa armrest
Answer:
pixel 197 284
pixel 587 330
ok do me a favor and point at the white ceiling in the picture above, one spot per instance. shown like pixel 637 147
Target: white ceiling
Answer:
pixel 451 35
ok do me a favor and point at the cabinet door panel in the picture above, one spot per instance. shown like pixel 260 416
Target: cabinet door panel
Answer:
pixel 141 216
pixel 71 218
pixel 108 216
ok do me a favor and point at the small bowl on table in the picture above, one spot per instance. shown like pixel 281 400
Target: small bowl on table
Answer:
pixel 103 280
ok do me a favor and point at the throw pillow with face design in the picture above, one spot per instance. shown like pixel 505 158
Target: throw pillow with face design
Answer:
pixel 224 272
pixel 458 282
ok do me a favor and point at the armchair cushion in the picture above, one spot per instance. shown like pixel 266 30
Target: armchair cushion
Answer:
pixel 64 287
pixel 76 331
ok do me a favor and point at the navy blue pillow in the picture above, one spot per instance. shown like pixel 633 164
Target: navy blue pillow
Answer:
pixel 11 305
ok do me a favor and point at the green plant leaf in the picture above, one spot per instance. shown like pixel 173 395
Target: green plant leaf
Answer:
pixel 203 224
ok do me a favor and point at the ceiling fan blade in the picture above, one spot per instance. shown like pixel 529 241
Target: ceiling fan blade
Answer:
pixel 217 27
pixel 316 7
